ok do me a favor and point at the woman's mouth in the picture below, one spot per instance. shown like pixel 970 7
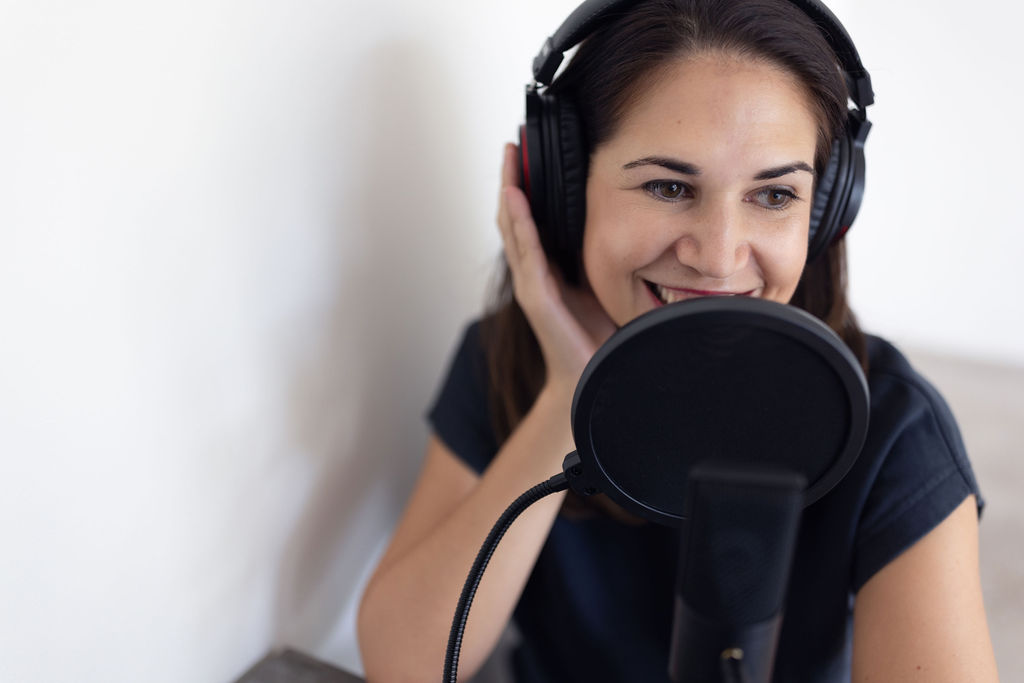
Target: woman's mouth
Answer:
pixel 669 295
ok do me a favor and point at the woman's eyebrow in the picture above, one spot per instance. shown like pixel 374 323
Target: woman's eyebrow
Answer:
pixel 687 168
pixel 780 171
pixel 671 164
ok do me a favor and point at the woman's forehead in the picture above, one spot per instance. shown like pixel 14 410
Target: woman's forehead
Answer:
pixel 714 106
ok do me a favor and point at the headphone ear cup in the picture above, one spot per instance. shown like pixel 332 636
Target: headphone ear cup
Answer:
pixel 553 173
pixel 573 170
pixel 823 210
pixel 854 190
pixel 840 190
pixel 533 179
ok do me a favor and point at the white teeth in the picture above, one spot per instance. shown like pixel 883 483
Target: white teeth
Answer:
pixel 671 296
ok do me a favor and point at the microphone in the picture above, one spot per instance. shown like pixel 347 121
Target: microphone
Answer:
pixel 723 417
pixel 737 545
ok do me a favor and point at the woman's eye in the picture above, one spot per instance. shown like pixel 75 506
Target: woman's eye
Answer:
pixel 775 197
pixel 666 190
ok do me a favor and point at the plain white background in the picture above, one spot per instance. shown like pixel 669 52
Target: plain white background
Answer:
pixel 238 239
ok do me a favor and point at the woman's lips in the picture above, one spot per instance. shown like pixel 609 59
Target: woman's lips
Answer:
pixel 668 295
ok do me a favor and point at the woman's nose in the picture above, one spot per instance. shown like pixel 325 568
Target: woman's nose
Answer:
pixel 714 243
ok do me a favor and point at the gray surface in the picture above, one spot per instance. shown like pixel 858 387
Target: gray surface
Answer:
pixel 289 666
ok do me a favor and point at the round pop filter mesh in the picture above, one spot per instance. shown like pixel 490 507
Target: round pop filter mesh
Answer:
pixel 723 380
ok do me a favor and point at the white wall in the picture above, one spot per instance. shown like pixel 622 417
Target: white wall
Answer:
pixel 936 253
pixel 237 240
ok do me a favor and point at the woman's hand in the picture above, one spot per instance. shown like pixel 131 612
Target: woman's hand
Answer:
pixel 569 322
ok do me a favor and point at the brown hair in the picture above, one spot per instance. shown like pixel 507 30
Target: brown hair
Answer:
pixel 614 67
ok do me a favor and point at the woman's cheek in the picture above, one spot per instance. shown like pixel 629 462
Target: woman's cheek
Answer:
pixel 785 267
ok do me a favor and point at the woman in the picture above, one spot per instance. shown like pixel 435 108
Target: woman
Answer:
pixel 708 125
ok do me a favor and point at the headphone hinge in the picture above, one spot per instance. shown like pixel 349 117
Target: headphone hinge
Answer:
pixel 864 94
pixel 546 63
pixel 859 129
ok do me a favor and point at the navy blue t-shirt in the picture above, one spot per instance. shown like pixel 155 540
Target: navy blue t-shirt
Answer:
pixel 598 605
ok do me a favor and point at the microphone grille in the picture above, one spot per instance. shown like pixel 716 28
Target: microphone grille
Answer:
pixel 738 543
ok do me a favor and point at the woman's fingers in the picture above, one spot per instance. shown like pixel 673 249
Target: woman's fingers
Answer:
pixel 510 168
pixel 568 323
pixel 523 250
pixel 504 221
pixel 509 178
pixel 524 230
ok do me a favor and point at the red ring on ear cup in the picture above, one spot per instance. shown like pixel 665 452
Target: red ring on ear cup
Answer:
pixel 524 162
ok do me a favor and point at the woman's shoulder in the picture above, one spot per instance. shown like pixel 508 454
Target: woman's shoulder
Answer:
pixel 467 359
pixel 471 342
pixel 460 413
pixel 885 360
pixel 913 469
pixel 900 393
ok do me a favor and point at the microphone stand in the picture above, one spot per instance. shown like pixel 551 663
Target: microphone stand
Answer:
pixel 736 551
pixel 737 543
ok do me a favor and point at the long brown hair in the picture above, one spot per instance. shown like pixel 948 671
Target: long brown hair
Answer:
pixel 610 71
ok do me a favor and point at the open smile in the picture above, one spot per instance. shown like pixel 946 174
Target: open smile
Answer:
pixel 668 295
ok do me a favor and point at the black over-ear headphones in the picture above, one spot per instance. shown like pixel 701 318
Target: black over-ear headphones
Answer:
pixel 554 155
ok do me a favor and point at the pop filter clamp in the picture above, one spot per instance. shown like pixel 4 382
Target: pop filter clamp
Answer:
pixel 723 416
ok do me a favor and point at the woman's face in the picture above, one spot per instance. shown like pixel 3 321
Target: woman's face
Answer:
pixel 705 189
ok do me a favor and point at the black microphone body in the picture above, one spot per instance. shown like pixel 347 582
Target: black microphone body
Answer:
pixel 737 545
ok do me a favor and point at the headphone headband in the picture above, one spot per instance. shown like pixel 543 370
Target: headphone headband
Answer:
pixel 554 151
pixel 580 24
pixel 587 17
pixel 858 78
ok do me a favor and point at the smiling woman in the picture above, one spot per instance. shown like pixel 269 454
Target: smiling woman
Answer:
pixel 705 188
pixel 691 148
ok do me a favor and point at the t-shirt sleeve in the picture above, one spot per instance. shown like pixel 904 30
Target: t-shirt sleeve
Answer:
pixel 460 415
pixel 924 474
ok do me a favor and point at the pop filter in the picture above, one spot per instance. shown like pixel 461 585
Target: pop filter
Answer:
pixel 715 379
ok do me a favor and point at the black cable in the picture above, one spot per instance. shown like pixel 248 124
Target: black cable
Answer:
pixel 451 660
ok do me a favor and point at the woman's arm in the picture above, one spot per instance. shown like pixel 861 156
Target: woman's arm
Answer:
pixel 407 609
pixel 921 617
